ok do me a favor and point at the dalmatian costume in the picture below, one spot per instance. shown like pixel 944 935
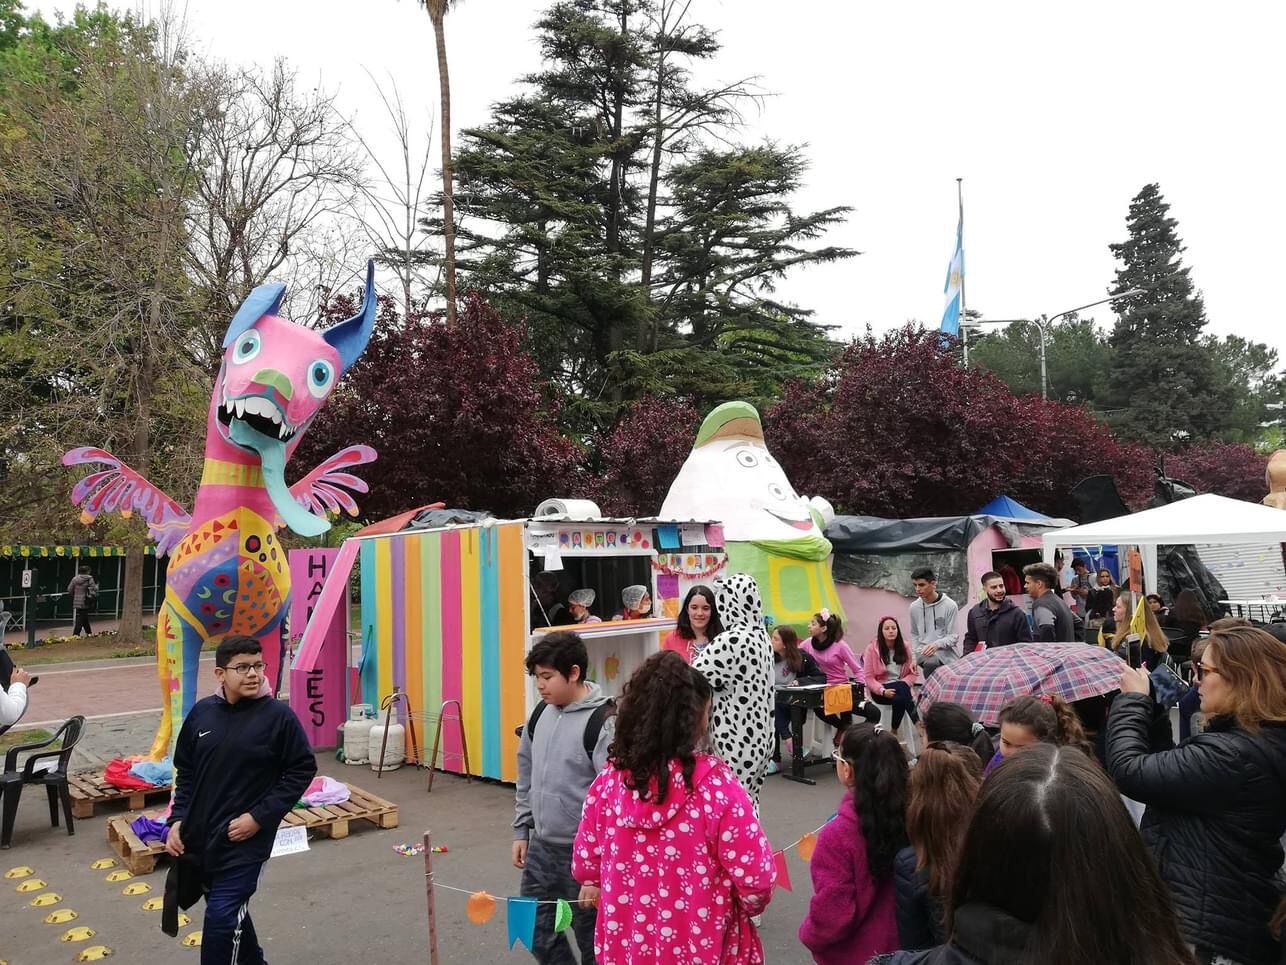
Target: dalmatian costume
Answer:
pixel 738 664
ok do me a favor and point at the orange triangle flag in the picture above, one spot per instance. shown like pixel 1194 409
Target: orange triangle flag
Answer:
pixel 783 873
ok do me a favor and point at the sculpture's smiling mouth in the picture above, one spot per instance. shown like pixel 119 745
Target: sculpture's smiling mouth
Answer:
pixel 259 412
pixel 801 524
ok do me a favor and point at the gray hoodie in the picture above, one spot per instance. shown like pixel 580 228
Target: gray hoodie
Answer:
pixel 554 772
pixel 934 623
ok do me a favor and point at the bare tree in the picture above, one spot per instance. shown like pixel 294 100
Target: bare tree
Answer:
pixel 273 165
pixel 395 200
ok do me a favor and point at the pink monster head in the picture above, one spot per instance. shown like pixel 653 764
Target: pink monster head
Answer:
pixel 275 377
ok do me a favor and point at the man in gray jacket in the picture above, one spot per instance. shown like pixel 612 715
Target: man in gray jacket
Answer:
pixel 561 750
pixel 934 639
pixel 83 591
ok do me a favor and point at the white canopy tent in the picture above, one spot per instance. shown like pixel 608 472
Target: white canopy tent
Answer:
pixel 1200 519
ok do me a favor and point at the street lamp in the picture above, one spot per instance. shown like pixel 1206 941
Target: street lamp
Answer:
pixel 1042 327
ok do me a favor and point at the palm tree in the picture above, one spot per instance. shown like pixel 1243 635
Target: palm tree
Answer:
pixel 437 10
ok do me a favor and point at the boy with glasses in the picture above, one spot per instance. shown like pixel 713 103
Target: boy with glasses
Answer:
pixel 241 762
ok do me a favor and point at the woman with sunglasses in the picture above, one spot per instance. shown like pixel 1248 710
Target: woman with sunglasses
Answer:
pixel 1216 805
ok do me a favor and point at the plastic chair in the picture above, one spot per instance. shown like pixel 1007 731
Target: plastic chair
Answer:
pixel 54 779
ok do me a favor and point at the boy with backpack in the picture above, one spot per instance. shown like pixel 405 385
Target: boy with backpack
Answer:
pixel 560 752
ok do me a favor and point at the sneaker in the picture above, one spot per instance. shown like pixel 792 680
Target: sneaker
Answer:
pixel 774 767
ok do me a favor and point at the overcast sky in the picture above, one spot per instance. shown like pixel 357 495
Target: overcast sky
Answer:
pixel 1054 115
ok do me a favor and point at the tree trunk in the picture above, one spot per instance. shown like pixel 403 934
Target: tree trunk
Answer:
pixel 131 628
pixel 647 326
pixel 647 335
pixel 448 199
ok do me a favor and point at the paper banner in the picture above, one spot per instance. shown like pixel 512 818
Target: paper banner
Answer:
pixel 521 913
pixel 783 873
pixel 692 534
pixel 807 845
pixel 668 537
pixel 562 916
pixel 837 699
pixel 667 586
pixel 714 534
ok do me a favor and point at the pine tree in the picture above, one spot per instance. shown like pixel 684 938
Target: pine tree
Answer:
pixel 642 259
pixel 1163 384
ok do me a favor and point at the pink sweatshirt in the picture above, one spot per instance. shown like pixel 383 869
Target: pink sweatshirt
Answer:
pixel 852 917
pixel 679 879
pixel 873 667
pixel 837 661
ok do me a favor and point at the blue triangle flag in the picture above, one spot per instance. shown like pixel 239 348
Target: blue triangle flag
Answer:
pixel 521 913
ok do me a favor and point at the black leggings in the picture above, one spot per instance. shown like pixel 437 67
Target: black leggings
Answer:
pixel 902 702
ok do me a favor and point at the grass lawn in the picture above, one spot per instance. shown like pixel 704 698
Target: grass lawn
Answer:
pixel 102 646
pixel 15 737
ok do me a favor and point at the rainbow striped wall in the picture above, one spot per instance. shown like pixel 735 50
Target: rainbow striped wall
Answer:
pixel 443 617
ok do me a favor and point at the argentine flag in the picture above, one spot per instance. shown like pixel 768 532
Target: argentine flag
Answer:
pixel 954 287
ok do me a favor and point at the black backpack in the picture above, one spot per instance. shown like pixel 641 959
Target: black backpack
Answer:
pixel 593 727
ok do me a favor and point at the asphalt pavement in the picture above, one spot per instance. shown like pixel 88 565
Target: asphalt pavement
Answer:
pixel 353 900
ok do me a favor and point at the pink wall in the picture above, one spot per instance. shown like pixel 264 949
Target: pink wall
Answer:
pixel 865 605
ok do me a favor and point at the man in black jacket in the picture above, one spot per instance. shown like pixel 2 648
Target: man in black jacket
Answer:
pixel 241 762
pixel 1051 617
pixel 995 621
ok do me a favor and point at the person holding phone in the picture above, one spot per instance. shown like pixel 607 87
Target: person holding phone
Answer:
pixel 1216 804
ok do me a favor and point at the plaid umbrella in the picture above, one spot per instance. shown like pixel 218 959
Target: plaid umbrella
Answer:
pixel 985 682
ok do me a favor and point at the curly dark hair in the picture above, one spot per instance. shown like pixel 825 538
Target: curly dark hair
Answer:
pixel 1050 718
pixel 684 622
pixel 659 720
pixel 879 793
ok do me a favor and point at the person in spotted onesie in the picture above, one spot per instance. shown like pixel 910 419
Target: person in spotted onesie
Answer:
pixel 738 665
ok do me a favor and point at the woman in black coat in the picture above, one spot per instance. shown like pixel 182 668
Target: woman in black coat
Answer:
pixel 1216 805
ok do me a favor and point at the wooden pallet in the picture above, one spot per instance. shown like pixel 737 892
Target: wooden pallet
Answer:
pixel 331 821
pixel 88 790
pixel 139 858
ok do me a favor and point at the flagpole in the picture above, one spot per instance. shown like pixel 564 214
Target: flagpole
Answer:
pixel 964 330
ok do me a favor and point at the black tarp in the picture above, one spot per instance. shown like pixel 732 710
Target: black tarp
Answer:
pixel 871 551
pixel 874 534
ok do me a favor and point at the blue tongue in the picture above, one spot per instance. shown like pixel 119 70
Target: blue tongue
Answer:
pixel 272 456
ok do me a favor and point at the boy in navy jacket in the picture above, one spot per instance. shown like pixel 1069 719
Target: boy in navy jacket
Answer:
pixel 241 762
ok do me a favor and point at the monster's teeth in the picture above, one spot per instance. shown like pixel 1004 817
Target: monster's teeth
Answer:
pixel 241 408
pixel 281 432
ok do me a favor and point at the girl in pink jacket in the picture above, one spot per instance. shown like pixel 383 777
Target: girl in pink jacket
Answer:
pixel 890 670
pixel 668 844
pixel 852 916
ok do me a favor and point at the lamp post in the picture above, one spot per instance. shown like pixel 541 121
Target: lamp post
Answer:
pixel 1042 327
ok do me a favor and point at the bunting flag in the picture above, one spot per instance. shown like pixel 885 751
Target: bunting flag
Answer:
pixel 783 871
pixel 521 913
pixel 562 916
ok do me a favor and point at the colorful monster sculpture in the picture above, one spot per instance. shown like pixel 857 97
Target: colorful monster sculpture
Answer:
pixel 227 570
pixel 770 532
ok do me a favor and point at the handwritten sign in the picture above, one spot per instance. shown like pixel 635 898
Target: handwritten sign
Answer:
pixel 289 841
pixel 837 699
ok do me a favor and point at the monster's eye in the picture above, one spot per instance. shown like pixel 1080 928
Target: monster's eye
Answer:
pixel 747 458
pixel 321 376
pixel 776 491
pixel 247 347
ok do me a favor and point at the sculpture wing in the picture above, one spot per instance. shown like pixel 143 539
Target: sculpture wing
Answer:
pixel 324 489
pixel 119 488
